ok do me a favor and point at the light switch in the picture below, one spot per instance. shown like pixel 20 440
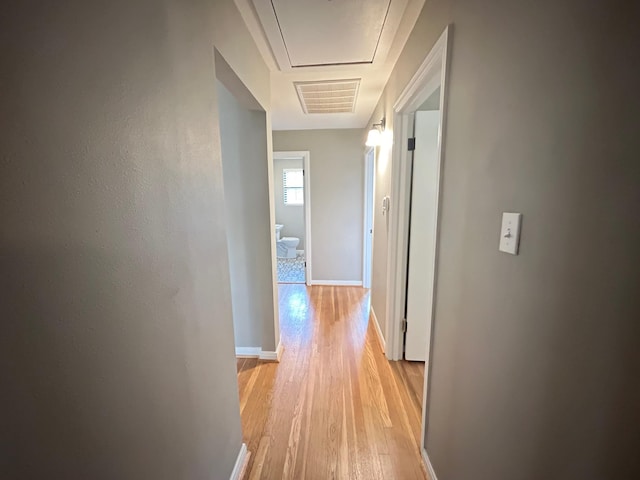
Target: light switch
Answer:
pixel 510 232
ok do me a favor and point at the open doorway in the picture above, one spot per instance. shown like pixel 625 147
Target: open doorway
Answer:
pixel 419 119
pixel 369 200
pixel 421 237
pixel 423 202
pixel 292 216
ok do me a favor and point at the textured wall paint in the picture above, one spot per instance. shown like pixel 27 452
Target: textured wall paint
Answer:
pixel 116 344
pixel 535 359
pixel 337 182
pixel 291 216
pixel 246 187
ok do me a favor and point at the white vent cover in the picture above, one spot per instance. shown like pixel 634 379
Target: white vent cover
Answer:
pixel 328 96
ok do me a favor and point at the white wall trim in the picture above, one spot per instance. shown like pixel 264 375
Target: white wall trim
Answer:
pixel 248 352
pixel 338 283
pixel 241 460
pixel 273 356
pixel 376 325
pixel 306 160
pixel 426 79
pixel 427 463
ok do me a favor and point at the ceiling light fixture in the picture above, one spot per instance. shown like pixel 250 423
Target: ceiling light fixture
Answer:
pixel 374 138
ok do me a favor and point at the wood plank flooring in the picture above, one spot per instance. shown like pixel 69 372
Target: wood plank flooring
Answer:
pixel 412 376
pixel 334 407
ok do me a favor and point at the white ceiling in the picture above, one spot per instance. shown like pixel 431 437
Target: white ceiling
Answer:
pixel 317 40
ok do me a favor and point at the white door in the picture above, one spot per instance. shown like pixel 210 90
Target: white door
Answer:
pixel 422 235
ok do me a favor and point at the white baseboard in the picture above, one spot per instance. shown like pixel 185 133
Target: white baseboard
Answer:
pixel 273 356
pixel 240 462
pixel 378 330
pixel 257 352
pixel 427 463
pixel 248 352
pixel 338 283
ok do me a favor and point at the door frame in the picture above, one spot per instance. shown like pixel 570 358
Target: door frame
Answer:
pixel 306 165
pixel 368 220
pixel 431 74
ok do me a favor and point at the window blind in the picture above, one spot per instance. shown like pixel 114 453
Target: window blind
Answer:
pixel 293 186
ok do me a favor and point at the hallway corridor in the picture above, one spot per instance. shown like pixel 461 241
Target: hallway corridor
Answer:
pixel 334 408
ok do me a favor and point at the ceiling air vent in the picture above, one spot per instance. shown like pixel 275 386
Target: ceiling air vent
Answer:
pixel 328 96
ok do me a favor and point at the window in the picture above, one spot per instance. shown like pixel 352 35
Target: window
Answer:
pixel 293 186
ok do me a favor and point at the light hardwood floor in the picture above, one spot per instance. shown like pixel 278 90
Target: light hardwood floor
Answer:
pixel 334 407
pixel 411 374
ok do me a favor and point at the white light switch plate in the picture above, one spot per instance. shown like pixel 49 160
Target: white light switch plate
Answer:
pixel 510 232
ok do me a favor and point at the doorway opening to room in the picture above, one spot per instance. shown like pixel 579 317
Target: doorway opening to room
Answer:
pixel 292 216
pixel 419 119
pixel 369 201
pixel 423 202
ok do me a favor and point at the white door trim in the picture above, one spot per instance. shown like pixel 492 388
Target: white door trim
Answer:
pixel 431 74
pixel 306 158
pixel 369 203
pixel 398 237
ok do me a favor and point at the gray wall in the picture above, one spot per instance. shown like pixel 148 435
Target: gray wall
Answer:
pixel 291 216
pixel 431 103
pixel 337 178
pixel 535 359
pixel 116 340
pixel 246 185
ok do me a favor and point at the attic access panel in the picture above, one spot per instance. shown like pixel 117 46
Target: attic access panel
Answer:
pixel 330 32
